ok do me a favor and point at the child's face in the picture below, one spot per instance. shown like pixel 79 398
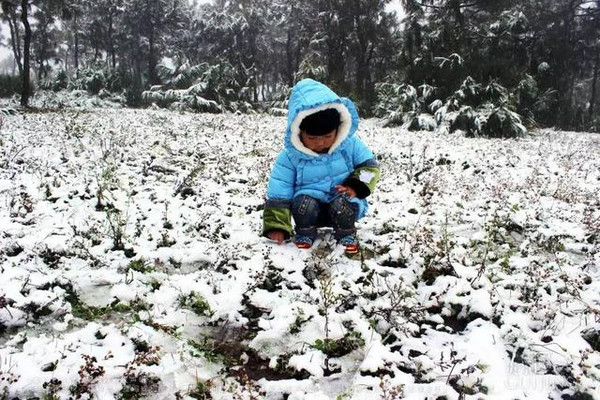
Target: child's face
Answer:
pixel 318 144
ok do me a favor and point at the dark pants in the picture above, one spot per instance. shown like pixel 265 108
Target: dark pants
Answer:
pixel 309 214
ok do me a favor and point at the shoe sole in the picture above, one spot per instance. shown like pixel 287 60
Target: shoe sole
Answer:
pixel 352 249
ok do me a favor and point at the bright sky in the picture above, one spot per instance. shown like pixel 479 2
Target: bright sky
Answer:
pixel 396 6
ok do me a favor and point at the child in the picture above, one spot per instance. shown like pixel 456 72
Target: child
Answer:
pixel 325 172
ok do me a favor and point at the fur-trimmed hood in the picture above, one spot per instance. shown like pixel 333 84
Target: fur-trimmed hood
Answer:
pixel 308 97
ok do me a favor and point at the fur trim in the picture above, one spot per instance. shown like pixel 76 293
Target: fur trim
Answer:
pixel 343 129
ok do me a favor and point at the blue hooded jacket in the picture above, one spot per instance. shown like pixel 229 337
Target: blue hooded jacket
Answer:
pixel 300 171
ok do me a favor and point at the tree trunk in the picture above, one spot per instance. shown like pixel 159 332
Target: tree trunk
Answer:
pixel 40 68
pixel 67 59
pixel 335 57
pixel 288 58
pixel 567 114
pixel 111 46
pixel 26 45
pixel 152 59
pixel 15 40
pixel 76 35
pixel 458 15
pixel 137 69
pixel 592 110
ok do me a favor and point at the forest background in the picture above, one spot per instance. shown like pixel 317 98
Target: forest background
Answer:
pixel 492 67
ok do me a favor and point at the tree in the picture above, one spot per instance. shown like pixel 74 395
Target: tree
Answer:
pixel 13 11
pixel 45 36
pixel 148 26
pixel 10 15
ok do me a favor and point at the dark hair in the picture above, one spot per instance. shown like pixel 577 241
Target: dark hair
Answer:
pixel 321 123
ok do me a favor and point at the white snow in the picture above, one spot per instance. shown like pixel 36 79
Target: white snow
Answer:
pixel 479 275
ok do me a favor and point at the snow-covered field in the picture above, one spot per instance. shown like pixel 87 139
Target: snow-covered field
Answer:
pixel 131 266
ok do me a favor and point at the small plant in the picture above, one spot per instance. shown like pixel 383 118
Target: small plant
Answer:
pixel 340 347
pixel 89 373
pixel 36 310
pixel 401 307
pixel 196 303
pixel 204 349
pixel 154 285
pixel 116 225
pixel 436 253
pixel 52 387
pixel 390 392
pixel 90 313
pixel 7 378
pixel 300 320
pixel 106 180
pixel 146 354
pixel 166 223
pixel 165 240
pixel 202 390
pixel 138 383
pixel 329 299
pixel 140 265
pixel 270 279
pixel 81 310
pixel 248 389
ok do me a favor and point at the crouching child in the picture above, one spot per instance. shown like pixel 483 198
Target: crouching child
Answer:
pixel 324 173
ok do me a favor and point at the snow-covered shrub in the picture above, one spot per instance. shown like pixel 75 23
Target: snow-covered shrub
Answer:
pixel 474 94
pixel 395 98
pixel 76 99
pixel 55 83
pixel 181 77
pixel 468 109
pixel 466 120
pixel 90 86
pixel 487 112
pixel 423 122
pixel 90 79
pixel 530 101
pixel 93 79
pixel 399 103
pixel 394 118
pixel 469 93
pixel 503 123
pixel 495 93
pixel 435 105
pixel 498 122
pixel 203 87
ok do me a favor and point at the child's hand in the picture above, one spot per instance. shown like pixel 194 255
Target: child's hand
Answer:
pixel 348 191
pixel 276 236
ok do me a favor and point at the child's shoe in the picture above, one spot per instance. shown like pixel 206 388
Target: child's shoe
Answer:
pixel 303 242
pixel 350 243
